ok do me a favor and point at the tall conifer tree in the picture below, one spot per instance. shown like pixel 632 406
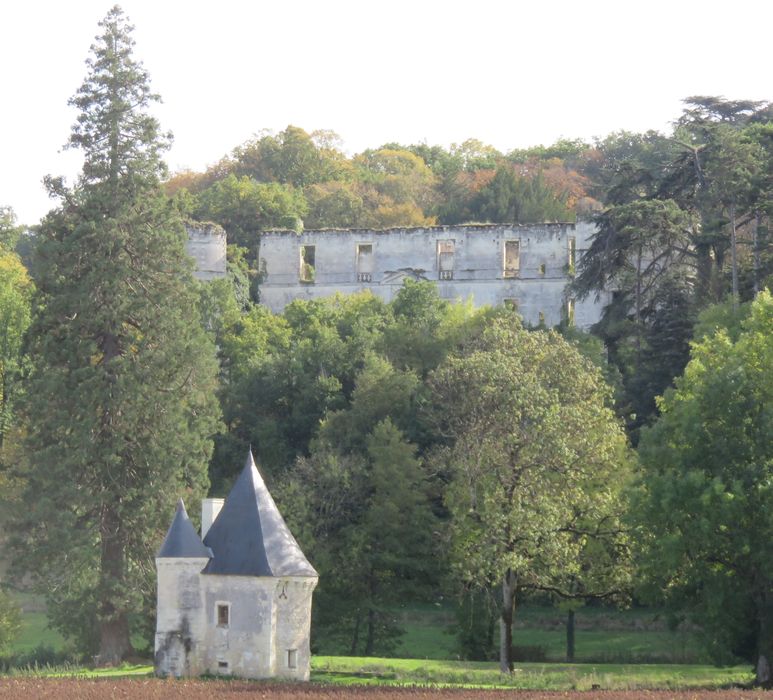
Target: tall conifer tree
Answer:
pixel 121 406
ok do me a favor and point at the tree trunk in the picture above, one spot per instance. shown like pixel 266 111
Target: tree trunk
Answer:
pixel 638 305
pixel 114 638
pixel 570 636
pixel 704 265
pixel 356 634
pixel 734 257
pixel 371 632
pixel 756 250
pixel 114 644
pixel 506 623
pixel 764 605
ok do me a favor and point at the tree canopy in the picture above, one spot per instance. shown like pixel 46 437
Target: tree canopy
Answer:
pixel 706 505
pixel 537 460
pixel 121 399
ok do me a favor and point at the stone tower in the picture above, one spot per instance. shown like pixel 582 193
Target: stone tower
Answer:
pixel 238 603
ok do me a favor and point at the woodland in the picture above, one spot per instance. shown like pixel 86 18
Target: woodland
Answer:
pixel 418 449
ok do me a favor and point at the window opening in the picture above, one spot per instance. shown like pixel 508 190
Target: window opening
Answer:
pixel 542 268
pixel 445 255
pixel 542 318
pixel 512 262
pixel 365 262
pixel 570 312
pixel 511 304
pixel 223 614
pixel 222 665
pixel 572 253
pixel 292 658
pixel 308 262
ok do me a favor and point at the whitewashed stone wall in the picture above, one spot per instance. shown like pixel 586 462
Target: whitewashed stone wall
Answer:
pixel 477 269
pixel 179 622
pixel 268 628
pixel 207 246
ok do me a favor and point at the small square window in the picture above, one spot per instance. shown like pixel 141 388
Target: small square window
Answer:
pixel 223 614
pixel 292 658
pixel 542 269
pixel 222 665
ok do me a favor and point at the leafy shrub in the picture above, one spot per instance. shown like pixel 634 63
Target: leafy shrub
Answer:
pixel 41 656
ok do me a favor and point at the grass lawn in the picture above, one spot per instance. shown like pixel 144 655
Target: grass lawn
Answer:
pixel 614 646
pixel 602 636
pixel 422 640
pixel 340 670
pixel 533 676
pixel 35 633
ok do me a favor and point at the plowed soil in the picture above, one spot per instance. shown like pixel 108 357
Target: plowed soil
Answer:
pixel 154 689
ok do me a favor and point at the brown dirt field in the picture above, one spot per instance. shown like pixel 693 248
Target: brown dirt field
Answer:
pixel 153 689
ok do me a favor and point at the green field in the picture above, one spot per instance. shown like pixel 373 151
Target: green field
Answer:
pixel 603 635
pixel 347 670
pixel 612 648
pixel 562 677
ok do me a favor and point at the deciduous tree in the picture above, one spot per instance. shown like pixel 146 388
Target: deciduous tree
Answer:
pixel 537 458
pixel 15 307
pixel 707 506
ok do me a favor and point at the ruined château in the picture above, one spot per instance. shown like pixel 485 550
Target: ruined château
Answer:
pixel 528 266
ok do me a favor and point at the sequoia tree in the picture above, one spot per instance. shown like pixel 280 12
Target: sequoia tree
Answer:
pixel 120 404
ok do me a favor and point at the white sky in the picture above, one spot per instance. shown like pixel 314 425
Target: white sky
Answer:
pixel 511 73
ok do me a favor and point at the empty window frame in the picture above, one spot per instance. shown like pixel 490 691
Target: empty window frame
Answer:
pixel 223 613
pixel 307 263
pixel 542 269
pixel 364 262
pixel 570 312
pixel 512 259
pixel 222 667
pixel 292 658
pixel 512 304
pixel 571 249
pixel 445 260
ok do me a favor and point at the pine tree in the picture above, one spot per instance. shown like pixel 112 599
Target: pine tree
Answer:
pixel 120 403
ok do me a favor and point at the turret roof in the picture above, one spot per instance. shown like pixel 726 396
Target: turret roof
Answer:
pixel 249 536
pixel 182 539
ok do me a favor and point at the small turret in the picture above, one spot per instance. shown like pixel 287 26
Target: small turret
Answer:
pixel 180 559
pixel 250 537
pixel 181 539
pixel 237 602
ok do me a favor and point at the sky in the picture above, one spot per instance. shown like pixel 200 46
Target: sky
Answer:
pixel 509 73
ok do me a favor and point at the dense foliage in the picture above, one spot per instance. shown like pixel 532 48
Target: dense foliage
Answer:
pixel 708 500
pixel 120 403
pixel 417 447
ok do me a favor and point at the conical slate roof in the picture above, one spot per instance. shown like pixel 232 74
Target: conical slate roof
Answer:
pixel 182 540
pixel 249 536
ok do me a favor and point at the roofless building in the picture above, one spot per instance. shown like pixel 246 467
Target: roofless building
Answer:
pixel 237 600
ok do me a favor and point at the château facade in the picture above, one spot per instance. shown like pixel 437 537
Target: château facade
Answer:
pixel 528 266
